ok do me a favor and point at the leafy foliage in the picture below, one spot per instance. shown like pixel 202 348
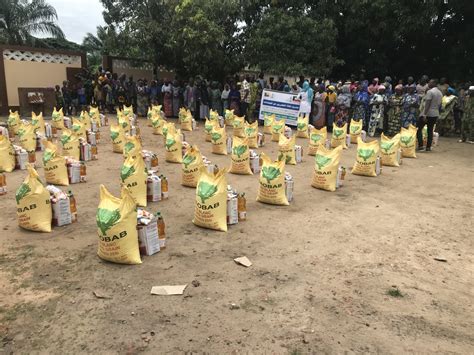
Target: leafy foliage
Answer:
pixel 270 173
pixel 126 172
pixel 22 191
pixel 205 191
pixel 106 219
pixel 322 161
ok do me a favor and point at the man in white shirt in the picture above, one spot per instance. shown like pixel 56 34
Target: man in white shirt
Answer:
pixel 429 115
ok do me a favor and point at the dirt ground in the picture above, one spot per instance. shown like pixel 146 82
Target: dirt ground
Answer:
pixel 324 279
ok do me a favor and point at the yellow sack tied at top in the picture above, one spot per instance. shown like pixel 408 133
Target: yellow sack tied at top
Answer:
pixel 191 167
pixel 185 119
pixel 278 127
pixel 317 138
pixel 156 109
pixel 118 138
pixel 157 123
pixel 367 154
pixel 302 127
pixel 219 140
pixel 214 115
pixel 132 146
pixel 208 126
pixel 168 127
pixel 240 157
pixel 326 164
pixel 355 130
pixel 27 136
pixel 78 128
pixel 7 155
pixel 32 204
pixel 286 148
pixel 338 136
pixel 13 122
pixel 238 126
pixel 390 153
pixel 94 114
pixel 271 188
pixel 251 132
pixel 70 144
pixel 210 210
pixel 57 118
pixel 133 175
pixel 128 110
pixel 174 147
pixel 229 117
pixel 408 141
pixel 117 228
pixel 37 121
pixel 149 116
pixel 86 120
pixel 268 123
pixel 55 169
pixel 124 122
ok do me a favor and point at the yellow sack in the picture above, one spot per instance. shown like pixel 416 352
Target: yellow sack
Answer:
pixel 325 168
pixel 240 157
pixel 219 140
pixel 208 126
pixel 174 147
pixel 186 120
pixel 132 146
pixel 94 114
pixel 390 154
pixel 86 120
pixel 302 127
pixel 37 121
pixel 229 117
pixel 278 127
pixel 192 164
pixel 251 132
pixel 367 154
pixel 286 148
pixel 7 155
pixel 238 125
pixel 317 138
pixel 128 110
pixel 78 128
pixel 355 130
pixel 27 137
pixel 133 175
pixel 70 144
pixel 214 115
pixel 408 141
pixel 13 122
pixel 157 123
pixel 338 136
pixel 57 118
pixel 268 123
pixel 32 204
pixel 118 138
pixel 117 228
pixel 156 109
pixel 168 127
pixel 124 123
pixel 271 188
pixel 210 210
pixel 149 116
pixel 55 169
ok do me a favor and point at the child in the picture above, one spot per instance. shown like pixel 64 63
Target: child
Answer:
pixel 59 97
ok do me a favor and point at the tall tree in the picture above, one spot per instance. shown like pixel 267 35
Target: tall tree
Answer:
pixel 22 19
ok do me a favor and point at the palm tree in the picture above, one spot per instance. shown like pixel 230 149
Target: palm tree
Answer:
pixel 20 20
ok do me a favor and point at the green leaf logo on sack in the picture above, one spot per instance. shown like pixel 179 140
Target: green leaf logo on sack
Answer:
pixel 301 126
pixel 113 135
pixel 386 146
pixel 169 143
pixel 237 124
pixel 128 147
pixel 206 191
pixel 126 172
pixel 355 129
pixel 188 159
pixel 55 116
pixel 11 120
pixel 267 122
pixel 322 161
pixel 215 137
pixel 228 115
pixel 76 127
pixel 184 118
pixel 287 158
pixel 156 123
pixel 47 156
pixel 365 153
pixel 338 132
pixel 249 131
pixel 270 173
pixel 239 150
pixel 22 192
pixel 149 114
pixel 277 128
pixel 124 124
pixel 34 122
pixel 65 139
pixel 106 219
pixel 20 133
pixel 208 128
pixel 316 138
pixel 406 140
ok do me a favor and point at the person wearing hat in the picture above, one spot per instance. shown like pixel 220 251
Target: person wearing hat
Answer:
pixel 467 121
pixel 330 101
pixel 446 116
pixel 378 105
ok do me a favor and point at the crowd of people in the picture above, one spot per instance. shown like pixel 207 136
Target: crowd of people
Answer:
pixel 382 106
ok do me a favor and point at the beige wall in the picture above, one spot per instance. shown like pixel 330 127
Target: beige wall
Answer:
pixel 28 74
pixel 136 73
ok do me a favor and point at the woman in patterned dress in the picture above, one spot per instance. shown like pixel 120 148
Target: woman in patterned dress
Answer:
pixel 394 112
pixel 410 106
pixel 378 104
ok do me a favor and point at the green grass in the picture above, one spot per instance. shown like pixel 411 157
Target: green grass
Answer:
pixel 395 292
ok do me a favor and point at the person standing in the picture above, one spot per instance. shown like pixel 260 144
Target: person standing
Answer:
pixel 167 92
pixel 378 104
pixel 175 91
pixel 394 113
pixel 59 97
pixel 343 105
pixel 429 115
pixel 361 105
pixel 142 98
pixel 67 98
pixel 446 115
pixel 234 99
pixel 203 99
pixel 261 81
pixel 225 97
pixel 132 93
pixel 306 98
pixel 318 116
pixel 190 98
pixel 330 101
pixel 374 87
pixel 410 107
pixel 244 96
pixel 216 103
pixel 443 86
pixel 467 120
